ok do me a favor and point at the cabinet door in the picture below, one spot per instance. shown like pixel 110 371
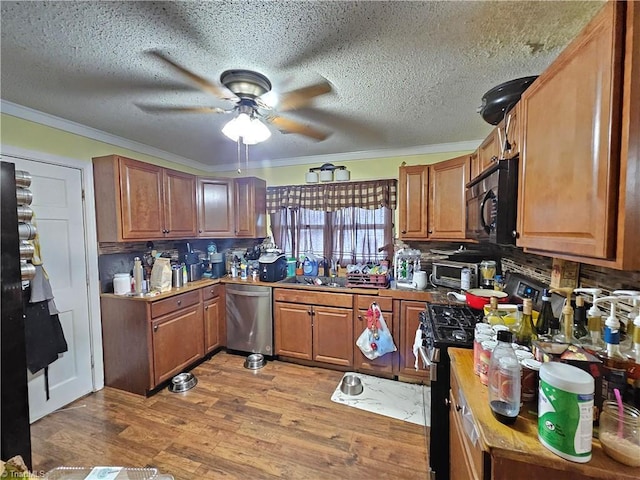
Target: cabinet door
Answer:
pixel 413 198
pixel 475 165
pixel 381 365
pixel 293 327
pixel 250 207
pixel 489 150
pixel 447 204
pixel 141 200
pixel 513 132
pixel 409 322
pixel 213 318
pixel 569 163
pixel 333 335
pixel 180 204
pixel 177 342
pixel 215 208
pixel 462 468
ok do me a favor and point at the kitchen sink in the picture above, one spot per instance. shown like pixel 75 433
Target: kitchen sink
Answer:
pixel 319 281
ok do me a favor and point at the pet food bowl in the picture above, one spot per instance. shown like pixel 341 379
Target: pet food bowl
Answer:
pixel 351 385
pixel 183 382
pixel 254 361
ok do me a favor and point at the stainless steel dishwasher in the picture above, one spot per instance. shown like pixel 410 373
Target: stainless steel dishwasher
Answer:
pixel 249 318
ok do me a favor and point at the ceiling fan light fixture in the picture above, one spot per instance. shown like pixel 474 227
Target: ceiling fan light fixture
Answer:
pixel 251 130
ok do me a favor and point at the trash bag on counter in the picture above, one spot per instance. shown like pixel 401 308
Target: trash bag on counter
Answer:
pixel 376 339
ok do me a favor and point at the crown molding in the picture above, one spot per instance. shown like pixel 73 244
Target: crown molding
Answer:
pixel 48 120
pixel 470 145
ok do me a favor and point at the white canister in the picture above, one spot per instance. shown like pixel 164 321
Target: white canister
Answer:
pixel 121 283
pixel 465 279
pixel 420 280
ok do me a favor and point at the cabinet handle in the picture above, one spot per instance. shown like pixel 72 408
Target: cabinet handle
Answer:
pixel 429 232
pixel 310 311
pixel 515 234
pixel 199 231
pixel 403 232
pixel 155 328
pixel 179 302
pixel 211 291
pixel 206 308
pixel 360 317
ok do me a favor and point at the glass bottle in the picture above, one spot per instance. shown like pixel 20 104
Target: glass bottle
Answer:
pixel 543 325
pixel 526 332
pixel 566 335
pixel 504 380
pixel 633 368
pixel 493 316
pixel 580 319
pixel 593 340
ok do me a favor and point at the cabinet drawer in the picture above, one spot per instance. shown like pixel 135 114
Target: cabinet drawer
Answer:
pixel 364 301
pixel 473 453
pixel 174 303
pixel 211 292
pixel 313 298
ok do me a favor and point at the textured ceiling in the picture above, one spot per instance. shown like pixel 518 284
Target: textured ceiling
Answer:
pixel 405 74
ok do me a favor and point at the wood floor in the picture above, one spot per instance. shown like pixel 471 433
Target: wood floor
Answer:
pixel 277 422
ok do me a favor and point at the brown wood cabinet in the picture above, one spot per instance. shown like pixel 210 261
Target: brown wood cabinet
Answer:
pixel 215 318
pixel 580 161
pixel 409 322
pixel 215 208
pixel 447 203
pixel 489 150
pixel 250 207
pixel 432 200
pixel 147 342
pixel 140 201
pixel 314 326
pixel 385 365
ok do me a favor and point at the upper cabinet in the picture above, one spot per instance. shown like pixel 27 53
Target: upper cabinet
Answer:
pixel 139 201
pixel 232 207
pixel 215 208
pixel 250 207
pixel 432 200
pixel 579 195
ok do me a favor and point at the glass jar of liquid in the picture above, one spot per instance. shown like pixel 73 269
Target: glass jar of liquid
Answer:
pixel 487 273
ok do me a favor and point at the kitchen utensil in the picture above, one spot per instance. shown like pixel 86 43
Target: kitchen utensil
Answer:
pixel 351 385
pixel 497 102
pixel 177 279
pixel 183 382
pixel 254 361
pixel 478 297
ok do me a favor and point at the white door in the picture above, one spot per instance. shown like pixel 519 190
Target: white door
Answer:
pixel 59 217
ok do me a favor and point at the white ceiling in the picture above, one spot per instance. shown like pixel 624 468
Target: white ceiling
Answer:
pixel 405 74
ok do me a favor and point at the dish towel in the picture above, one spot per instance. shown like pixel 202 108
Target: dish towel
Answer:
pixel 417 343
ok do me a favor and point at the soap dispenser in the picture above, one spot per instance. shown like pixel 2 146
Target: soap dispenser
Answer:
pixel 626 340
pixel 593 340
pixel 566 324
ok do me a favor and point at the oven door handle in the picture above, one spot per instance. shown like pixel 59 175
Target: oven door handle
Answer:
pixel 424 356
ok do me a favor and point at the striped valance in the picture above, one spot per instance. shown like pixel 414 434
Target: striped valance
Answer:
pixel 331 197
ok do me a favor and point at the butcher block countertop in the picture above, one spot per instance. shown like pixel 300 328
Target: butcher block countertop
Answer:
pixel 518 444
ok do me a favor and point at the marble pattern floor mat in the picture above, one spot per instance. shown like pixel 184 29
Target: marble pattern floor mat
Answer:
pixel 391 398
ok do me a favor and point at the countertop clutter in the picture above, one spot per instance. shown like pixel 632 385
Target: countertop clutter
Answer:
pixel 499 451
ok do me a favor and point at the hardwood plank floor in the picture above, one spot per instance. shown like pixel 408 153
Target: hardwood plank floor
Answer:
pixel 277 422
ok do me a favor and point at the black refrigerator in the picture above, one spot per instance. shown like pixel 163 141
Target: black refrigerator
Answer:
pixel 14 400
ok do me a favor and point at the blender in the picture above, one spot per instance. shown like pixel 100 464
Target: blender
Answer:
pixel 487 274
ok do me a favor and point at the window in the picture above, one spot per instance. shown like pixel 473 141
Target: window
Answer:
pixel 349 222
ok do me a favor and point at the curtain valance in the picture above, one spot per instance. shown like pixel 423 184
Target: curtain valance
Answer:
pixel 331 197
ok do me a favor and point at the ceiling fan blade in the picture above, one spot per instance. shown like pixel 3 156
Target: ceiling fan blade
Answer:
pixel 204 84
pixel 303 96
pixel 291 126
pixel 170 109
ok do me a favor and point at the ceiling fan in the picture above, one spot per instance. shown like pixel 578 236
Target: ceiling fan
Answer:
pixel 245 88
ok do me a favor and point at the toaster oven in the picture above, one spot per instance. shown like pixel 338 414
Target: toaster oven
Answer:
pixel 446 273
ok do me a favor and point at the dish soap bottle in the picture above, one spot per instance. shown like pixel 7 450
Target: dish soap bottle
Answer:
pixel 504 380
pixel 310 264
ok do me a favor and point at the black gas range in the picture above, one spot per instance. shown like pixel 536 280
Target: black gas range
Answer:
pixel 443 326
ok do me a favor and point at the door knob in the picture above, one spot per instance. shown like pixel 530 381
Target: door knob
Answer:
pixel 155 328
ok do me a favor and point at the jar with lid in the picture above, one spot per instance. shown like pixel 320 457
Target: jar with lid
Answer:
pixel 619 432
pixel 487 273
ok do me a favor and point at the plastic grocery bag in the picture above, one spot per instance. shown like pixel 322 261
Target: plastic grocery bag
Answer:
pixel 376 339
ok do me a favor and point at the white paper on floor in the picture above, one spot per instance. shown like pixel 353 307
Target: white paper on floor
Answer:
pixel 404 401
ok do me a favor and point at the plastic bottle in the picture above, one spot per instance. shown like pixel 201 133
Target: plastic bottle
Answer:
pixel 504 380
pixel 526 332
pixel 580 319
pixel 493 316
pixel 615 363
pixel 137 275
pixel 593 340
pixel 546 317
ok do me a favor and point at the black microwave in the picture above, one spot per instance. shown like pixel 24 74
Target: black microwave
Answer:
pixel 492 202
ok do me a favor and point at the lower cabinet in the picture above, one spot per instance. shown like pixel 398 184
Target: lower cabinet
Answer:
pixel 146 342
pixel 214 315
pixel 386 364
pixel 314 326
pixel 409 321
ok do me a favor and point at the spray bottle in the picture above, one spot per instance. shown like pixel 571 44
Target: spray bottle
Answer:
pixel 593 340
